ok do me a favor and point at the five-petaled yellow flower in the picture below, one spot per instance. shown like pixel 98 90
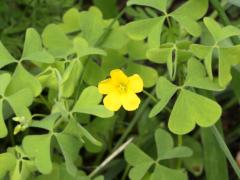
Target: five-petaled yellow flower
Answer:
pixel 121 90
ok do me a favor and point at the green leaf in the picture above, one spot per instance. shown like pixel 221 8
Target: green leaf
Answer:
pixel 189 24
pixel 38 146
pixel 190 109
pixel 177 152
pixel 3 127
pixel 71 77
pixel 193 8
pixel 116 35
pixel 88 103
pixel 71 21
pixel 77 130
pixel 235 2
pixel 20 101
pixel 56 41
pixel 5 57
pixel 135 156
pixel 194 163
pixel 7 163
pixel 148 74
pixel 93 68
pixel 137 50
pixel 160 5
pixel 165 90
pixel 158 55
pixel 218 32
pixel 196 77
pixel 82 48
pixel 70 147
pixel 227 58
pixel 33 49
pixel 108 7
pixel 164 142
pixel 46 123
pixel 162 173
pixel 5 78
pixel 139 30
pixel 141 162
pixel 22 79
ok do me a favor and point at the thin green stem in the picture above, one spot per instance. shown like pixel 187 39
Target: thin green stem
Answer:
pixel 179 143
pixel 225 149
pixel 133 122
pixel 150 96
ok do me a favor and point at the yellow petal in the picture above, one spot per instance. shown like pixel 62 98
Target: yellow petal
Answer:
pixel 135 83
pixel 130 101
pixel 112 101
pixel 105 86
pixel 118 76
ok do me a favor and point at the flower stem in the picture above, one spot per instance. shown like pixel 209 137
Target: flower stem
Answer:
pixel 150 96
pixel 133 122
pixel 225 149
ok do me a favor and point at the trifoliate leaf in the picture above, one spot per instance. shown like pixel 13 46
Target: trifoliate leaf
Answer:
pixel 190 109
pixel 218 32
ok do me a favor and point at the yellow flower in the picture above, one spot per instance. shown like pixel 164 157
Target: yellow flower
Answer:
pixel 121 90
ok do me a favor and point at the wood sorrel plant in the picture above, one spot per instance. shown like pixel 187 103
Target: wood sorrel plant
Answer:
pixel 55 123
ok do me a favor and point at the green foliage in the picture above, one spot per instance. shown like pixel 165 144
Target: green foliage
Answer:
pixel 141 162
pixel 53 123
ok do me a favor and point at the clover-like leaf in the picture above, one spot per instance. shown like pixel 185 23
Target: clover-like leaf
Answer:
pixel 141 162
pixel 69 146
pixel 148 74
pixel 227 56
pixel 55 40
pixel 77 130
pixel 170 54
pixel 70 78
pixel 39 151
pixel 5 57
pixel 22 79
pixel 161 173
pixel 190 109
pixel 46 123
pixel 19 101
pixel 33 49
pixel 7 163
pixel 220 33
pixel 82 48
pixel 151 28
pixel 88 103
pixel 137 158
pixel 165 90
pixel 197 77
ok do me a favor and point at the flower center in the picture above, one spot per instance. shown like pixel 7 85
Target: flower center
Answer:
pixel 122 88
